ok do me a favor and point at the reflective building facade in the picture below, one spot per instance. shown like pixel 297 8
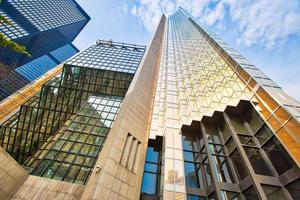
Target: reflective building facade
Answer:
pixel 46 29
pixel 187 118
pixel 229 132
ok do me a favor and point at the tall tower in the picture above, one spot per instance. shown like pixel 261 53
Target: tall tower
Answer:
pixel 228 131
pixel 46 29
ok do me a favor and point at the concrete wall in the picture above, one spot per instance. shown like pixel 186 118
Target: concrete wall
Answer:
pixel 38 188
pixel 12 175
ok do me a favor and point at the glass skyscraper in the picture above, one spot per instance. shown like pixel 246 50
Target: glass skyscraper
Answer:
pixel 185 118
pixel 46 29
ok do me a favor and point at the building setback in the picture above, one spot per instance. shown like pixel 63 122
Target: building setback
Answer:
pixel 46 29
pixel 186 118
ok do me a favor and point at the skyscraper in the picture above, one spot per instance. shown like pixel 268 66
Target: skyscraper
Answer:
pixel 46 29
pixel 186 118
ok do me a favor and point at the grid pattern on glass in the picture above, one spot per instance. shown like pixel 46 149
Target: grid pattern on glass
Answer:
pixel 10 82
pixel 238 143
pixel 59 99
pixel 15 142
pixel 36 68
pixel 197 174
pixel 273 103
pixel 110 57
pixel 13 30
pixel 64 52
pixel 74 153
pixel 46 15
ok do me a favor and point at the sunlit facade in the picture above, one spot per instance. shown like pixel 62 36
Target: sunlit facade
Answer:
pixel 229 132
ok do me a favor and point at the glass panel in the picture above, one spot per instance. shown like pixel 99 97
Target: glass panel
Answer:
pixel 191 178
pixel 273 192
pixel 294 189
pixel 195 197
pixel 250 194
pixel 253 119
pixel 152 155
pixel 222 169
pixel 238 124
pixel 264 134
pixel 280 159
pixel 149 183
pixel 258 163
pixel 189 142
pixel 212 133
pixel 230 145
pixel 226 132
pixel 246 140
pixel 238 165
pixel 150 167
pixel 226 195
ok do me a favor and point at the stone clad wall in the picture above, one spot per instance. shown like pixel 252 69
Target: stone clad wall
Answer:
pixel 12 175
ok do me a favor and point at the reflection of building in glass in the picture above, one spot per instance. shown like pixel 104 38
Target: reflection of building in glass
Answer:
pixel 46 29
pixel 59 132
pixel 229 131
pixel 194 121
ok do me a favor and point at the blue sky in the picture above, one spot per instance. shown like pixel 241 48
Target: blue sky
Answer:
pixel 266 32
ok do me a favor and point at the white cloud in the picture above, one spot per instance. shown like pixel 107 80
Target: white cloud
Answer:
pixel 263 22
pixel 134 10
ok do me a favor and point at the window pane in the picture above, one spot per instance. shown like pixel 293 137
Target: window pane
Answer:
pixel 278 156
pixel 250 194
pixel 238 165
pixel 190 175
pixel 294 189
pixel 150 167
pixel 195 197
pixel 238 124
pixel 273 192
pixel 152 155
pixel 230 195
pixel 149 183
pixel 264 134
pixel 258 163
pixel 246 140
pixel 222 169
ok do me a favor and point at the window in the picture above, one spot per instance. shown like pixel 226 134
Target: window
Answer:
pixel 150 184
pixel 250 193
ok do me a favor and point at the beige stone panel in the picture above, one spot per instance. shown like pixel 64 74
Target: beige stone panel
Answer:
pixel 12 175
pixel 48 189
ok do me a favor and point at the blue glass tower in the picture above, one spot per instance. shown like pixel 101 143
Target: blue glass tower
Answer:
pixel 46 28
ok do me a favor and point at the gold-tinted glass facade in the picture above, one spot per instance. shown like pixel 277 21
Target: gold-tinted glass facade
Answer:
pixel 199 76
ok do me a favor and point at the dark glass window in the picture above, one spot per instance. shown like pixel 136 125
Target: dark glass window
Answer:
pixel 238 165
pixel 230 195
pixel 258 163
pixel 273 192
pixel 238 124
pixel 195 197
pixel 280 159
pixel 253 119
pixel 264 134
pixel 196 174
pixel 250 194
pixel 294 189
